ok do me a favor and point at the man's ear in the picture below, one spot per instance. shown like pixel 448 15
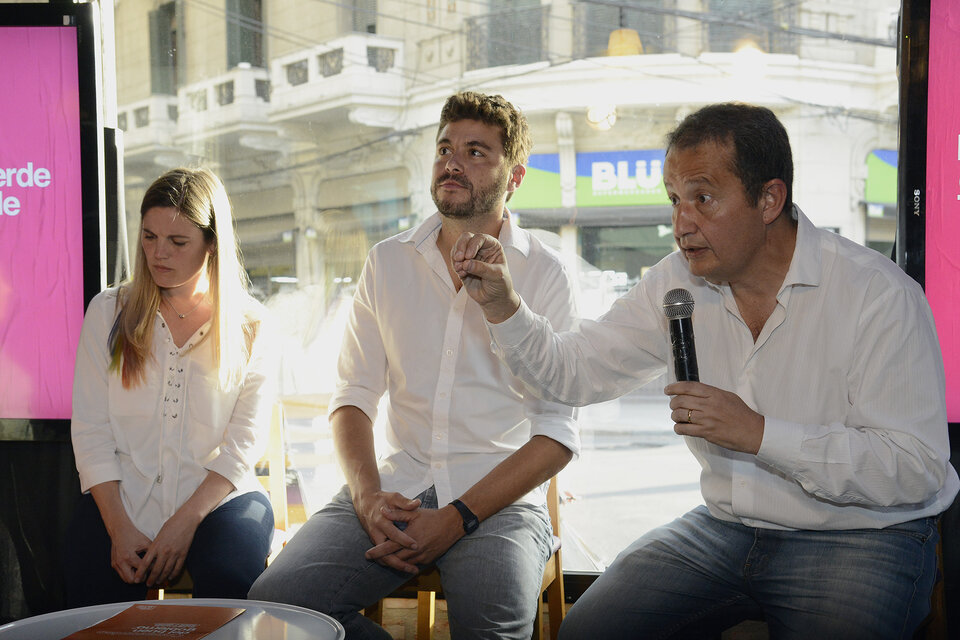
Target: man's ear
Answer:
pixel 516 177
pixel 772 199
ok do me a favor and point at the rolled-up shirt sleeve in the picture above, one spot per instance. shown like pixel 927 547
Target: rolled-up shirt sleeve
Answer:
pixel 362 364
pixel 247 433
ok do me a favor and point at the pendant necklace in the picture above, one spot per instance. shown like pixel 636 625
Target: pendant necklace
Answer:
pixel 183 315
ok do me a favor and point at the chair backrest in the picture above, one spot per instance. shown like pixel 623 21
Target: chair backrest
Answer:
pixel 276 465
pixel 553 505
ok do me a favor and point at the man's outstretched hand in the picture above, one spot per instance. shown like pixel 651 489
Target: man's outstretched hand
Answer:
pixel 481 265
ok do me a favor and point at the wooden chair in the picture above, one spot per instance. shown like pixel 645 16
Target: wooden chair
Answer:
pixel 271 471
pixel 427 586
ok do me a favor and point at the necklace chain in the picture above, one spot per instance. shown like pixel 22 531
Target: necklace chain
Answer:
pixel 183 315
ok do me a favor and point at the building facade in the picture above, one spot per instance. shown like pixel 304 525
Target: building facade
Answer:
pixel 321 116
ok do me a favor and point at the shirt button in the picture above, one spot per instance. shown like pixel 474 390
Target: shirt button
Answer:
pixel 439 436
pixel 443 394
pixel 438 465
pixel 449 352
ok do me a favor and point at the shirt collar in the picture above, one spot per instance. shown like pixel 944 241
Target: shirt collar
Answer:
pixel 425 234
pixel 805 265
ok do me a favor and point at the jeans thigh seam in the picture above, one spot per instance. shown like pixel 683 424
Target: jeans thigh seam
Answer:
pixel 356 575
pixel 916 586
pixel 702 613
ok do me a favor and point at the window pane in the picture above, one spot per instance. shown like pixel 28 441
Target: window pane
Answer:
pixel 325 141
pixel 244 33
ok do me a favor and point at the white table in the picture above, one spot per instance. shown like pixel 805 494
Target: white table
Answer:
pixel 260 621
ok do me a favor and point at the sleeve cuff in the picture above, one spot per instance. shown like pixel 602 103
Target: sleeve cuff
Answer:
pixel 229 467
pixel 511 331
pixel 560 429
pixel 98 474
pixel 781 442
pixel 362 399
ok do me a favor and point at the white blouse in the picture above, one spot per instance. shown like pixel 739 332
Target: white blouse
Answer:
pixel 160 439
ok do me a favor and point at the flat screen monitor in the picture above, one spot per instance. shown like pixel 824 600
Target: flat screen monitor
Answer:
pixel 928 233
pixel 50 201
pixel 928 245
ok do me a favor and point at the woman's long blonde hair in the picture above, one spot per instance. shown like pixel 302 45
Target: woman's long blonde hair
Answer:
pixel 200 197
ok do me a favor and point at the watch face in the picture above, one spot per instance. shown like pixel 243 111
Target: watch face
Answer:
pixel 471 525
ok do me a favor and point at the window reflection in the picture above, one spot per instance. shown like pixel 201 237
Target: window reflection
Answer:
pixel 320 116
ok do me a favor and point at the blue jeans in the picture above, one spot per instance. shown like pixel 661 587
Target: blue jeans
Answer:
pixel 491 578
pixel 699 575
pixel 228 552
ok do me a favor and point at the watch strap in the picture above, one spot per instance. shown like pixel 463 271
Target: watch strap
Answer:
pixel 470 520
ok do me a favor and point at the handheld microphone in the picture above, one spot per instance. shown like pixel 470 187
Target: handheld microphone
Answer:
pixel 678 307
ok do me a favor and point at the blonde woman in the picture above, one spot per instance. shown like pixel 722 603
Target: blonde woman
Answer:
pixel 171 408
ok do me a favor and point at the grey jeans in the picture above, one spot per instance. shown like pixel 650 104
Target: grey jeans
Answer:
pixel 491 578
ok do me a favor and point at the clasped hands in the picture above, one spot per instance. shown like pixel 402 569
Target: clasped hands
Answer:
pixel 157 562
pixel 427 533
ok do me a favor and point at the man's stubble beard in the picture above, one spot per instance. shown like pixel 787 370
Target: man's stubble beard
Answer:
pixel 480 202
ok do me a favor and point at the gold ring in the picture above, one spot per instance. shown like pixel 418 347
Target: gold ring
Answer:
pixel 690 416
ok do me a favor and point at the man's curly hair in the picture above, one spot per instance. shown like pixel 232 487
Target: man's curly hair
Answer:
pixel 492 110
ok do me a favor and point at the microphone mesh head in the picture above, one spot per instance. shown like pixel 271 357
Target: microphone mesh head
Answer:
pixel 678 303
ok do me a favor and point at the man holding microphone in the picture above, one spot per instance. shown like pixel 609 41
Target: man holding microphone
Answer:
pixel 819 418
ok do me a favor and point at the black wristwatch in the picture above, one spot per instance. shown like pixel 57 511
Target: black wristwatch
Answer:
pixel 470 520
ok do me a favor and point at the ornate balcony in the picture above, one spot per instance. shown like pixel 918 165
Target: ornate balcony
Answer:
pixel 359 74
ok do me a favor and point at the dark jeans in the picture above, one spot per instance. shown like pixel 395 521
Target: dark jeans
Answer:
pixel 698 575
pixel 228 552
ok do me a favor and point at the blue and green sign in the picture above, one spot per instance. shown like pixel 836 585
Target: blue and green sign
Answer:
pixel 881 187
pixel 604 179
pixel 620 178
pixel 540 188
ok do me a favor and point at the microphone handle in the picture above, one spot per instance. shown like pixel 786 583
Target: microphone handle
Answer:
pixel 684 351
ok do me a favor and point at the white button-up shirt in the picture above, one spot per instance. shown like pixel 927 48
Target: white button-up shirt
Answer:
pixel 160 438
pixel 847 372
pixel 455 411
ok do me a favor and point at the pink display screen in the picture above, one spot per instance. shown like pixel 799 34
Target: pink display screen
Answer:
pixel 41 248
pixel 942 259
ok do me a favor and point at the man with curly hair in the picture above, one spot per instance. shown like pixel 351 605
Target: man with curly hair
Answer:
pixel 463 487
